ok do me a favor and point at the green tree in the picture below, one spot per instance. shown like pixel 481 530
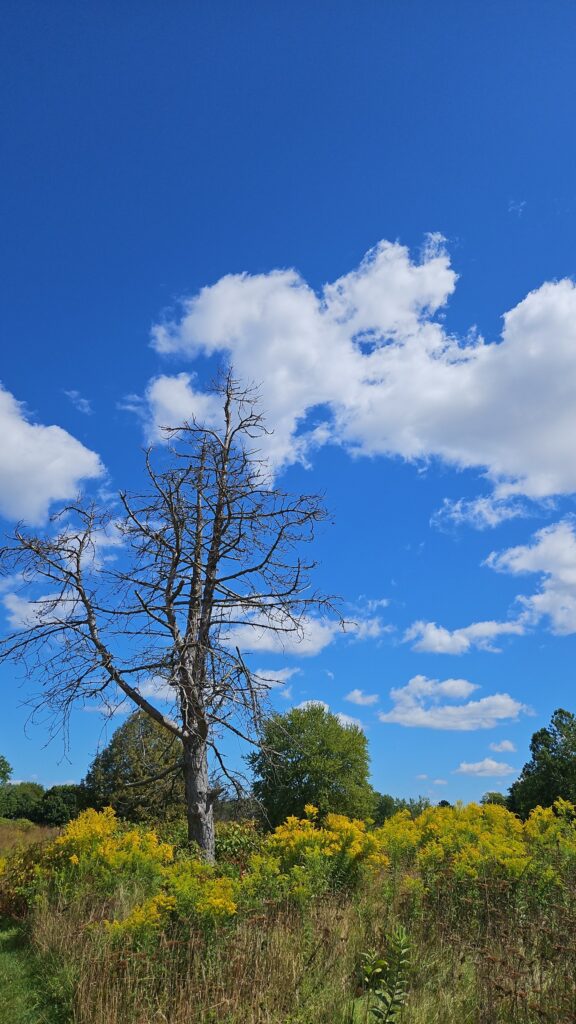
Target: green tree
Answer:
pixel 551 771
pixel 494 797
pixel 59 805
pixel 385 806
pixel 309 757
pixel 5 770
pixel 139 772
pixel 20 800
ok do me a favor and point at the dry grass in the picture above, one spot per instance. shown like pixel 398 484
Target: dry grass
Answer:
pixel 18 834
pixel 509 965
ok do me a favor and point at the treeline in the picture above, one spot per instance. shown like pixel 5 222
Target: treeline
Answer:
pixel 316 760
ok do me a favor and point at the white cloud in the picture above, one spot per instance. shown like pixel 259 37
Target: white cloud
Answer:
pixel 553 555
pixel 313 704
pixel 361 698
pixel 418 704
pixel 369 354
pixel 274 677
pixel 277 679
pixel 369 627
pixel 439 640
pixel 255 637
pixel 505 746
pixel 482 513
pixel 422 777
pixel 488 768
pixel 38 465
pixel 79 402
pixel 440 782
pixel 348 720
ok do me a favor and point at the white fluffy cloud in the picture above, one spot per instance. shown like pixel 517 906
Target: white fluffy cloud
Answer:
pixel 505 746
pixel 370 355
pixel 255 637
pixel 552 554
pixel 427 636
pixel 361 698
pixel 488 768
pixel 274 677
pixel 38 465
pixel 420 704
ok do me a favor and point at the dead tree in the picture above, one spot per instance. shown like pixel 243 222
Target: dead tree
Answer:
pixel 204 557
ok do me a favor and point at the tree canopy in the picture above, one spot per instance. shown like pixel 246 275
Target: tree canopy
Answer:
pixel 139 772
pixel 309 757
pixel 5 770
pixel 551 771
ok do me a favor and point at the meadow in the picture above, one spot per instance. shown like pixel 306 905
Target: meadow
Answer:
pixel 463 914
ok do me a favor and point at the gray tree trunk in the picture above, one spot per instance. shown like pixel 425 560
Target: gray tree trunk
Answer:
pixel 199 811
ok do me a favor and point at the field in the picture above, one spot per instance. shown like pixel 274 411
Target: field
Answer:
pixel 112 924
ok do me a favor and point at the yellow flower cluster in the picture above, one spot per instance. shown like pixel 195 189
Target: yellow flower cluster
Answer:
pixel 98 835
pixel 301 859
pixel 298 839
pixel 473 840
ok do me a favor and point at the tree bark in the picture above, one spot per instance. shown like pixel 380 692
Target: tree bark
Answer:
pixel 199 809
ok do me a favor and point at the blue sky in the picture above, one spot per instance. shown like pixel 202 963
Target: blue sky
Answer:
pixel 152 150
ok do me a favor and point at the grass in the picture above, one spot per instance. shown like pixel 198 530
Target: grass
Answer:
pixel 20 998
pixel 492 944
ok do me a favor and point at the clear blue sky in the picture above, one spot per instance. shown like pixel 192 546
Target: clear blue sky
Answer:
pixel 151 149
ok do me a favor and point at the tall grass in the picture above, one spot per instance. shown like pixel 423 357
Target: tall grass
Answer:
pixel 488 904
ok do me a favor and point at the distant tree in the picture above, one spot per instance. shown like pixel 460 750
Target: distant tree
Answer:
pixel 20 800
pixel 59 805
pixel 494 797
pixel 385 806
pixel 5 770
pixel 551 771
pixel 139 772
pixel 444 803
pixel 309 757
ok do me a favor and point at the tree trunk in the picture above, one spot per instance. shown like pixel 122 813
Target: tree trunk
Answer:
pixel 199 810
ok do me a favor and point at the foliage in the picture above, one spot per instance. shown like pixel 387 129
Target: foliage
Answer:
pixel 21 800
pixel 315 760
pixel 386 978
pixel 551 771
pixel 5 770
pixel 494 797
pixel 144 929
pixel 139 772
pixel 385 806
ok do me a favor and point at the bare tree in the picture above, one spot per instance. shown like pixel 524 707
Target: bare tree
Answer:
pixel 205 557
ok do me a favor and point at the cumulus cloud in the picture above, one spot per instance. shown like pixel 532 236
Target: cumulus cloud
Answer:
pixel 488 768
pixel 427 636
pixel 39 465
pixel 256 636
pixel 420 704
pixel 552 554
pixel 274 677
pixel 370 355
pixel 348 720
pixel 361 698
pixel 505 746
pixel 313 704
